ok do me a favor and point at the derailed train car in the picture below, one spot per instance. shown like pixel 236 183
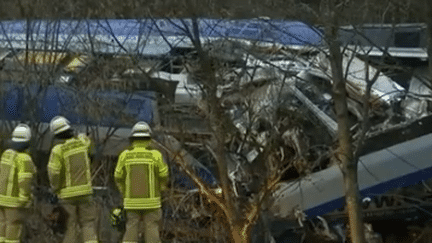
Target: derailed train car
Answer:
pixel 106 116
pixel 318 196
pixel 393 182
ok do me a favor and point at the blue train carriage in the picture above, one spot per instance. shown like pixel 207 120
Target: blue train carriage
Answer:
pixel 101 114
pixel 398 166
pixel 97 112
pixel 144 36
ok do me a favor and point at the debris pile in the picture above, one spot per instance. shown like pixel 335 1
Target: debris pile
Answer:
pixel 278 101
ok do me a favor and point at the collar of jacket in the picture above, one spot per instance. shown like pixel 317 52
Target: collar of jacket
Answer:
pixel 20 147
pixel 140 143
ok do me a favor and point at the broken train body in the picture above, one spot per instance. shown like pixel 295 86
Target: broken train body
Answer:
pixel 396 154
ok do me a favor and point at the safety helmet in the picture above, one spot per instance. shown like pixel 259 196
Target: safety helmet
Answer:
pixel 140 130
pixel 21 133
pixel 59 124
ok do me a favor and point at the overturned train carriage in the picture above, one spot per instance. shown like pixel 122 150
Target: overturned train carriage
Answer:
pixel 384 166
pixel 394 169
pixel 106 116
pixel 37 105
pixel 394 183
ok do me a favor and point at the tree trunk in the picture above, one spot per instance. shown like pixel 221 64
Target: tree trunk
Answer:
pixel 215 116
pixel 428 20
pixel 345 150
pixel 241 233
pixel 237 235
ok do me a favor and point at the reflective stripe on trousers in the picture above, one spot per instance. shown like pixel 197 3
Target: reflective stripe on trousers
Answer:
pixel 11 224
pixel 12 241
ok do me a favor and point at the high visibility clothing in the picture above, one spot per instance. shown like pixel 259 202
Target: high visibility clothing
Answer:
pixel 81 211
pixel 11 224
pixel 139 174
pixel 69 168
pixel 151 219
pixel 16 175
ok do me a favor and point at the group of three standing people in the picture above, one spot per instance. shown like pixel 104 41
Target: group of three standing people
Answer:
pixel 140 174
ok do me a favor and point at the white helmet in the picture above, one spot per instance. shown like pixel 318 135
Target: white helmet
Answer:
pixel 21 133
pixel 59 124
pixel 140 130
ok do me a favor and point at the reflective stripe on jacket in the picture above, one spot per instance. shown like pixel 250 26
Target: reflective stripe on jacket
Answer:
pixel 69 168
pixel 16 174
pixel 138 174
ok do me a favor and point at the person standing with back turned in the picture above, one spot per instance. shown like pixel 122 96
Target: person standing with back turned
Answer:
pixel 140 175
pixel 16 175
pixel 70 179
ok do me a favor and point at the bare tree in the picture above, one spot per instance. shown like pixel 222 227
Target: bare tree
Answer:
pixel 428 20
pixel 345 152
pixel 44 75
pixel 260 136
pixel 238 221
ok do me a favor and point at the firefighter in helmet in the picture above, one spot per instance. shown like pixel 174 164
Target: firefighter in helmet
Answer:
pixel 140 175
pixel 70 179
pixel 17 172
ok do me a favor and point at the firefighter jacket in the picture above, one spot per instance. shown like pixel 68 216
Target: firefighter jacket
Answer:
pixel 16 175
pixel 139 173
pixel 69 168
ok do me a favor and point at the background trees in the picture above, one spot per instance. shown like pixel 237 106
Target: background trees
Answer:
pixel 226 137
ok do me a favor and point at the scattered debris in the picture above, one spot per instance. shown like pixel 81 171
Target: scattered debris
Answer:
pixel 277 98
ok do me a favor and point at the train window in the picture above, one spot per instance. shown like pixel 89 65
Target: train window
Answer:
pixel 12 103
pixel 232 31
pixel 134 106
pixel 250 33
pixel 161 23
pixel 253 26
pixel 407 39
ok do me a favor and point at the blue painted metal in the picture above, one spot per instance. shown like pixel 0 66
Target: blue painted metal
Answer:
pixel 181 180
pixel 279 31
pixel 144 36
pixel 397 166
pixel 23 103
pixel 12 103
pixel 273 31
